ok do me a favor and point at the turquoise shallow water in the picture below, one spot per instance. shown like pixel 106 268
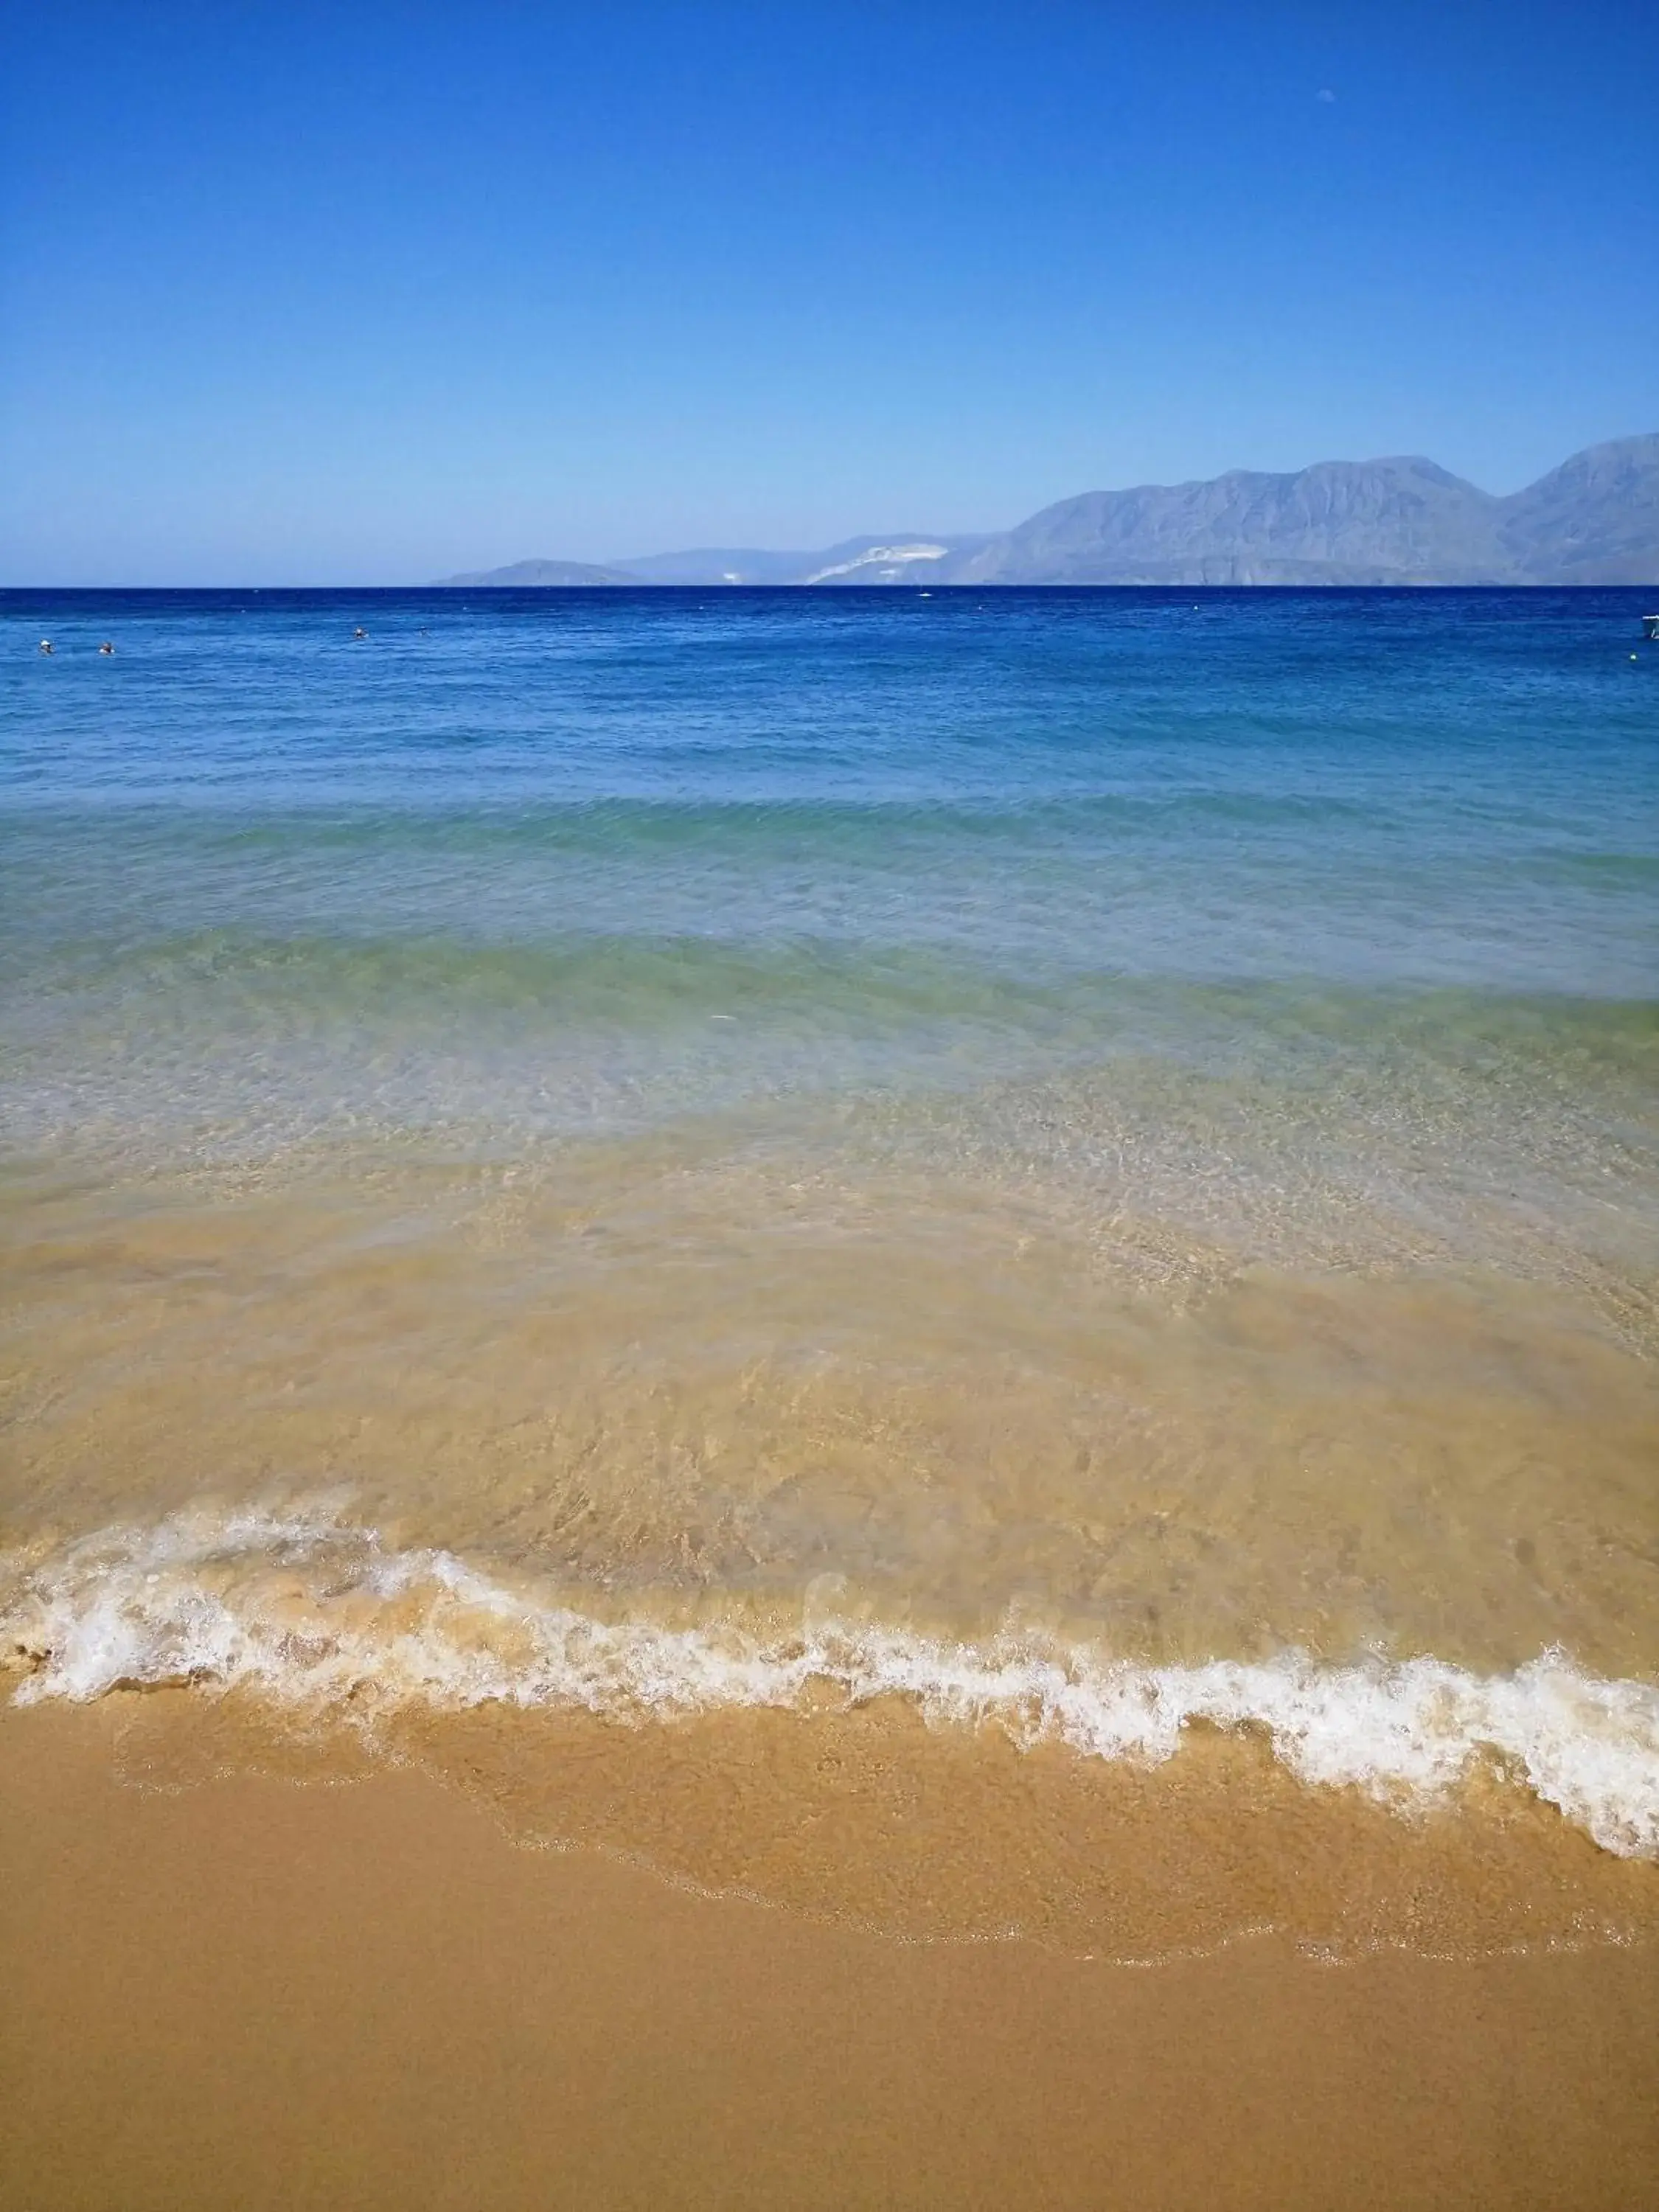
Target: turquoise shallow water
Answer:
pixel 1322 924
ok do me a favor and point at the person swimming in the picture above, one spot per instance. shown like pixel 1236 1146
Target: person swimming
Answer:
pixel 359 632
pixel 45 645
pixel 106 646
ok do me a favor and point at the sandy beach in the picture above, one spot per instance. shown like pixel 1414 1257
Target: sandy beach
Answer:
pixel 252 1991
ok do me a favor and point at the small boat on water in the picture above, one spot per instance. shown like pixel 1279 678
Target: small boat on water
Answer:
pixel 1651 626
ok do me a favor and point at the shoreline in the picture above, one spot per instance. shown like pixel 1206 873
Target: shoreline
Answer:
pixel 804 1414
pixel 253 1992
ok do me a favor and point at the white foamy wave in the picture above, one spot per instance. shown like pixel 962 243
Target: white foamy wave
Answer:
pixel 318 1615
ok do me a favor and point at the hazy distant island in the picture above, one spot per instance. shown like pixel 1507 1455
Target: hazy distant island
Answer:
pixel 1594 520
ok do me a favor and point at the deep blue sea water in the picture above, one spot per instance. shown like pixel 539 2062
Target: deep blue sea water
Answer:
pixel 885 832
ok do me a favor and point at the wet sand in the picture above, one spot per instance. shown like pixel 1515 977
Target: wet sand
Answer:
pixel 251 1992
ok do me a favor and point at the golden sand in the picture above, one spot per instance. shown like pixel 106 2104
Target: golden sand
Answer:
pixel 871 1821
pixel 258 1993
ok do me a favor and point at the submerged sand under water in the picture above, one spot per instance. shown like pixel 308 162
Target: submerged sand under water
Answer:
pixel 886 1542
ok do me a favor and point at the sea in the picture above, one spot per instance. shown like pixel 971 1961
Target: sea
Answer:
pixel 981 1261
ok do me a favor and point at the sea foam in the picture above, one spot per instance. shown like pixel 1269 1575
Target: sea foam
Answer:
pixel 315 1614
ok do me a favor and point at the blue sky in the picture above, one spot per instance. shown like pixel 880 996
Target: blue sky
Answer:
pixel 370 293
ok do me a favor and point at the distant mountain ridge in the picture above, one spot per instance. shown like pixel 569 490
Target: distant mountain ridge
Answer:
pixel 530 573
pixel 1593 520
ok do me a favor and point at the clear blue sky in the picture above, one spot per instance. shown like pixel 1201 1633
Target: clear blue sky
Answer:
pixel 293 293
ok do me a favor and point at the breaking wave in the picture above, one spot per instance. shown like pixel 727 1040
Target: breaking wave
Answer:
pixel 319 1616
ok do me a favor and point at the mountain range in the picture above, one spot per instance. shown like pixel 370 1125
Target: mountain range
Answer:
pixel 1593 520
